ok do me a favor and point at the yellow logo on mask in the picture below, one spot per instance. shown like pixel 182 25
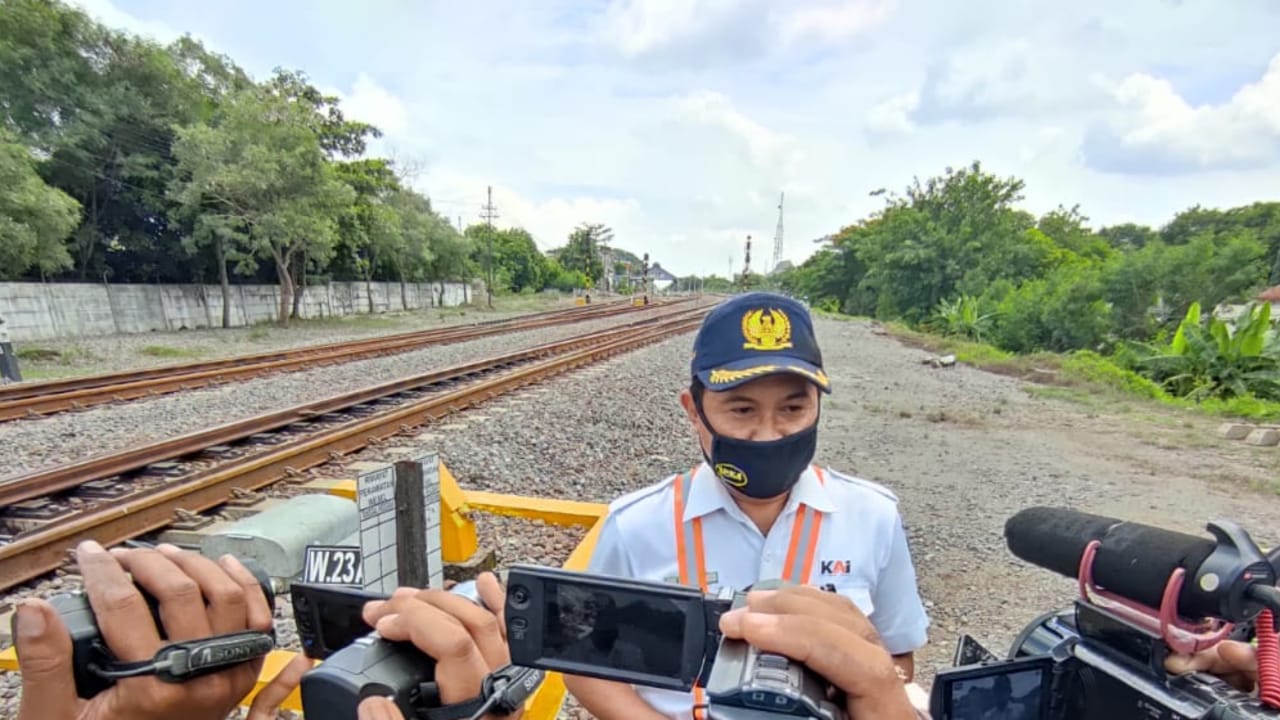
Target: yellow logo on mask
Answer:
pixel 766 330
pixel 731 474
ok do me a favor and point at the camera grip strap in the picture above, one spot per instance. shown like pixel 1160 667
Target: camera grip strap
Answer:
pixel 181 661
pixel 502 693
pixel 457 711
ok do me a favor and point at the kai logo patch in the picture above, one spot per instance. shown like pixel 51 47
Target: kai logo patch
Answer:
pixel 731 474
pixel 834 567
pixel 766 330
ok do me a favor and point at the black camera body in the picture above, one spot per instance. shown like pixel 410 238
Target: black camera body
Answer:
pixel 357 662
pixel 90 652
pixel 658 635
pixel 1083 662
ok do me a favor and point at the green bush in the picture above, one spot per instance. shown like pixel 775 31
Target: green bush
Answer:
pixel 1094 368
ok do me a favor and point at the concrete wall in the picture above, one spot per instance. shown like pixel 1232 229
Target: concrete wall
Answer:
pixel 32 311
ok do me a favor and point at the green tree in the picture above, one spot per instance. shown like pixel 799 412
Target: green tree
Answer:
pixel 261 172
pixel 949 234
pixel 35 219
pixel 450 258
pixel 582 252
pixel 369 228
pixel 1128 236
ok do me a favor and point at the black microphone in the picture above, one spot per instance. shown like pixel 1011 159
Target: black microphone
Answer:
pixel 1135 561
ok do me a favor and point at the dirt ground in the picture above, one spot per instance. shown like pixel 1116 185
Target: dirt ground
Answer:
pixel 966 449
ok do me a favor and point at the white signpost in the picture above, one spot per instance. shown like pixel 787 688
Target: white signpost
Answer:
pixel 400 543
pixel 376 499
pixel 431 505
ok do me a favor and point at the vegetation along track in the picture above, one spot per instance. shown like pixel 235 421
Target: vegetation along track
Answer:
pixel 118 496
pixel 44 398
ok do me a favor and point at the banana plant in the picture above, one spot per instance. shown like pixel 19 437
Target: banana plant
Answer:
pixel 963 316
pixel 1207 360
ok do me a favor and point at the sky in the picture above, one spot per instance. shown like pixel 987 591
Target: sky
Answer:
pixel 678 123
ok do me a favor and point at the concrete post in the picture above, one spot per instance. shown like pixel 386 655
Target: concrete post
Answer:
pixel 418 522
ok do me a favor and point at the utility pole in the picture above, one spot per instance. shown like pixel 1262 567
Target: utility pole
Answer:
pixel 777 238
pixel 489 214
pixel 746 265
pixel 459 224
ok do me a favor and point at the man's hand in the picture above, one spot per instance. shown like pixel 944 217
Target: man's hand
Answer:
pixel 827 633
pixel 467 642
pixel 266 704
pixel 198 598
pixel 1232 661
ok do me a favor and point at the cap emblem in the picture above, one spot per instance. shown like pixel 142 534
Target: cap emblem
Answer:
pixel 766 330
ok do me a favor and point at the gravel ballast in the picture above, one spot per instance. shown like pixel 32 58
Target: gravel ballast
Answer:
pixel 963 449
pixel 67 437
pixel 73 356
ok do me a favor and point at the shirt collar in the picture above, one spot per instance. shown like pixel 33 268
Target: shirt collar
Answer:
pixel 708 494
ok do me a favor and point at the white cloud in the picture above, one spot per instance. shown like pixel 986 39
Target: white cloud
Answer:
pixel 678 122
pixel 106 12
pixel 1157 127
pixel 893 116
pixel 645 27
pixel 767 149
pixel 834 21
pixel 709 32
pixel 370 102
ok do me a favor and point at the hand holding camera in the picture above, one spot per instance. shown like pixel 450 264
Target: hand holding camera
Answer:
pixel 828 634
pixel 467 641
pixel 196 597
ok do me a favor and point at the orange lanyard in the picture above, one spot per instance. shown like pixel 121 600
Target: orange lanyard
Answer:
pixel 804 533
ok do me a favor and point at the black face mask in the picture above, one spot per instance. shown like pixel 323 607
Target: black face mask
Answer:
pixel 761 469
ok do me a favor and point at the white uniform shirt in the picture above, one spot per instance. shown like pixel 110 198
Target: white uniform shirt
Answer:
pixel 861 551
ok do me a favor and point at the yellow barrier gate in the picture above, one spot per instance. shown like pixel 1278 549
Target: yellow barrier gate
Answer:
pixel 458 542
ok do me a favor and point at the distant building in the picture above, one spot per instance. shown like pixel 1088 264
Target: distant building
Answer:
pixel 1229 312
pixel 662 280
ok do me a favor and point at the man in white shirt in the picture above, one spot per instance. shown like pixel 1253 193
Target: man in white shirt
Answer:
pixel 758 508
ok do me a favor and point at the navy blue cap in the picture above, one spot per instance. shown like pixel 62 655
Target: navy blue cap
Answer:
pixel 753 335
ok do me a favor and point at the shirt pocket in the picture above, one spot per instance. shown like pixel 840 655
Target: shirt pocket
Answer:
pixel 859 594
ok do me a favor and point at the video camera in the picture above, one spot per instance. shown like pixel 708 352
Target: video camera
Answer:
pixel 658 635
pixel 1144 592
pixel 359 663
pixel 96 668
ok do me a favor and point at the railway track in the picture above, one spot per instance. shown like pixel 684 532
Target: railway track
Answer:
pixel 24 400
pixel 118 496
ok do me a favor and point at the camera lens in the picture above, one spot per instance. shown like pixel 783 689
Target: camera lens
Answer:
pixel 518 595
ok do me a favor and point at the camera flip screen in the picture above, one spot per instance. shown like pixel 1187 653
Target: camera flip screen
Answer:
pixel 613 628
pixel 1016 690
pixel 631 632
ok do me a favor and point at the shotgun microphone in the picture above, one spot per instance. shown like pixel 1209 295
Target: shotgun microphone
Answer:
pixel 1136 561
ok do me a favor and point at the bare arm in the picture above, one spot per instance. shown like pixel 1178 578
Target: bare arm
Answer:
pixel 907 662
pixel 608 700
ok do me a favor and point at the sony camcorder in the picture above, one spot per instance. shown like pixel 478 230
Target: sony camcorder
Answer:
pixel 359 663
pixel 1144 592
pixel 658 635
pixel 96 668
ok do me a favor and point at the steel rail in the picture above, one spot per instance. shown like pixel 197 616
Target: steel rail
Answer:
pixel 41 482
pixel 44 549
pixel 35 399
